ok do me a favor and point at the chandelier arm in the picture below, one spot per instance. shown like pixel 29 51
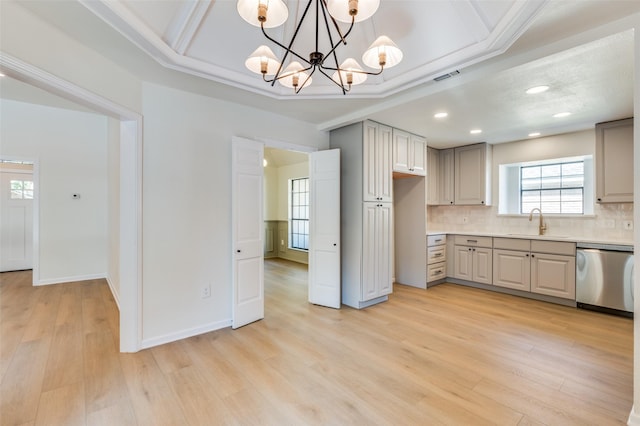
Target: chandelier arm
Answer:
pixel 332 52
pixel 354 71
pixel 340 85
pixel 342 37
pixel 304 83
pixel 337 27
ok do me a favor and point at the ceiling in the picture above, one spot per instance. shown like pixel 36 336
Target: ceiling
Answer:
pixel 501 48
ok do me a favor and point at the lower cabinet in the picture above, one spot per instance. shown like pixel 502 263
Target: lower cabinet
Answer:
pixel 377 243
pixel 436 257
pixel 473 259
pixel 537 266
pixel 553 275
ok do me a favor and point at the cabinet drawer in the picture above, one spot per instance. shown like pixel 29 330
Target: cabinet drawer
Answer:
pixel 436 240
pixel 436 271
pixel 436 254
pixel 472 240
pixel 553 247
pixel 512 244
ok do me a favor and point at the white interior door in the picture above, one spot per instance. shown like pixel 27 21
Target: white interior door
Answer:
pixel 248 256
pixel 16 221
pixel 324 228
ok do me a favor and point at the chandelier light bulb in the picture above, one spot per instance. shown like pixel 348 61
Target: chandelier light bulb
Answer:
pixel 351 73
pixel 294 76
pixel 267 13
pixel 262 61
pixel 382 53
pixel 347 10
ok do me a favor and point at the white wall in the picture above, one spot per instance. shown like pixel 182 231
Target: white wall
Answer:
pixel 35 41
pixel 486 219
pixel 187 205
pixel 113 206
pixel 270 193
pixel 70 148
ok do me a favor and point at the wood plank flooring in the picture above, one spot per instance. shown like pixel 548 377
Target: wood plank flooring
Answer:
pixel 449 355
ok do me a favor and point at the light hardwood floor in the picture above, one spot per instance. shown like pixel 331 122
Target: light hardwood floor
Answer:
pixel 448 355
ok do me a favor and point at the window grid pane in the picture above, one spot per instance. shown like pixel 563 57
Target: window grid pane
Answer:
pixel 553 188
pixel 299 227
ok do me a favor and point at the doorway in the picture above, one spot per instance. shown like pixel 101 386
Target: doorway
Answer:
pixel 17 195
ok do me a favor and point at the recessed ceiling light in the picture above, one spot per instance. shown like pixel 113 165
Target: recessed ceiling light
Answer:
pixel 440 115
pixel 537 89
pixel 561 114
pixel 534 134
pixel 475 131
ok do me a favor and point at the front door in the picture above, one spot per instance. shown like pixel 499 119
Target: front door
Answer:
pixel 16 221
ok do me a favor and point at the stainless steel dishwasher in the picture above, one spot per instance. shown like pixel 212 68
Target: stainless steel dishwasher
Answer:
pixel 604 278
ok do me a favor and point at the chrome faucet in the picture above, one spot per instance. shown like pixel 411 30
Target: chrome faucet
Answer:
pixel 542 227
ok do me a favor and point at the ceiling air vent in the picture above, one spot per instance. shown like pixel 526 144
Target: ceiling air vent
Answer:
pixel 446 76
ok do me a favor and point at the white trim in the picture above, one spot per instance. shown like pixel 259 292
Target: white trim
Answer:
pixel 130 188
pixel 634 417
pixel 185 24
pixel 184 334
pixel 73 279
pixel 113 292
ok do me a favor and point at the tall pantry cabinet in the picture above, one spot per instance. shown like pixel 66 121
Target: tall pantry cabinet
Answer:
pixel 366 197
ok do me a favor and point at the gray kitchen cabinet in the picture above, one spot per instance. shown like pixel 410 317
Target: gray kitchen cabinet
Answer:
pixel 536 266
pixel 473 258
pixel 614 161
pixel 472 181
pixel 409 153
pixel 436 257
pixel 446 177
pixel 433 190
pixel 366 191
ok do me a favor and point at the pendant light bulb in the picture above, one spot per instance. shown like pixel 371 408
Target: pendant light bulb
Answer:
pixel 294 76
pixel 348 10
pixel 266 13
pixel 351 73
pixel 383 53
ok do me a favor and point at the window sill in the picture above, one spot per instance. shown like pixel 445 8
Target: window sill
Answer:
pixel 298 249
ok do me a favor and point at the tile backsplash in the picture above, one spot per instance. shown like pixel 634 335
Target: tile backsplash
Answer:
pixel 607 223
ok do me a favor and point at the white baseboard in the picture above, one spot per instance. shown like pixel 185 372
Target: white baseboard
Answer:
pixel 168 338
pixel 634 417
pixel 69 279
pixel 114 293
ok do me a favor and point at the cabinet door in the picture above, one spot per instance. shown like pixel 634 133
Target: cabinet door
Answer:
pixel 470 175
pixel 463 263
pixel 377 250
pixel 446 176
pixel 553 275
pixel 369 166
pixel 433 190
pixel 384 248
pixel 614 161
pixel 401 151
pixel 418 156
pixel 384 172
pixel 512 269
pixel 368 286
pixel 482 265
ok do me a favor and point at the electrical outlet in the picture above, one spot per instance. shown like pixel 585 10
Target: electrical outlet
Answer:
pixel 627 224
pixel 206 291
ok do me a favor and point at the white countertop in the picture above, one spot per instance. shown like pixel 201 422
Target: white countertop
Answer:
pixel 536 237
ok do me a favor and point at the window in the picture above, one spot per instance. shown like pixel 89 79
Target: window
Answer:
pixel 299 222
pixel 553 188
pixel 563 186
pixel 21 189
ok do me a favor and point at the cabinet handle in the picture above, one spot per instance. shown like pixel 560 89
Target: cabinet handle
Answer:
pixel 439 271
pixel 437 255
pixel 472 241
pixel 437 241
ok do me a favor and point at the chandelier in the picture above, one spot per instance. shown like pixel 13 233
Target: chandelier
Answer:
pixel 382 54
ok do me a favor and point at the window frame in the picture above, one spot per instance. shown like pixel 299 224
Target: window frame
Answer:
pixel 295 221
pixel 559 188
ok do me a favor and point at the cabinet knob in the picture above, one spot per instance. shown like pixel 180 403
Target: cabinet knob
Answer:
pixel 481 202
pixel 532 255
pixel 450 202
pixel 527 255
pixel 334 244
pixel 238 251
pixel 599 199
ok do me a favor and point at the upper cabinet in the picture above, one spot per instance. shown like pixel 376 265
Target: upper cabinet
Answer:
pixel 409 153
pixel 463 175
pixel 377 177
pixel 472 174
pixel 433 191
pixel 614 161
